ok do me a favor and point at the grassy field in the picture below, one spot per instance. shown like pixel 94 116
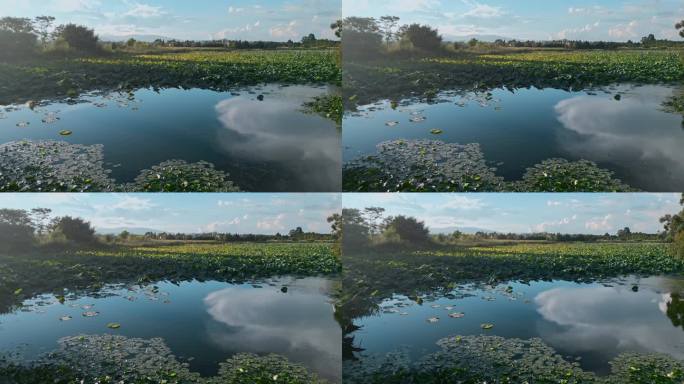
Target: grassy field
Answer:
pixel 397 77
pixel 46 77
pixel 25 275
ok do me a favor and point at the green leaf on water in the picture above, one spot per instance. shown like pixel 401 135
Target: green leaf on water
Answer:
pixel 436 131
pixel 65 133
pixel 486 326
pixel 18 291
pixel 113 325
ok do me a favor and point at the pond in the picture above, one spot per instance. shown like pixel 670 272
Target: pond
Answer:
pixel 203 323
pixel 265 145
pixel 588 323
pixel 623 128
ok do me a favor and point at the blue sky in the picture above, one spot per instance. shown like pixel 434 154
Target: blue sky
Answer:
pixel 275 20
pixel 615 20
pixel 527 212
pixel 189 213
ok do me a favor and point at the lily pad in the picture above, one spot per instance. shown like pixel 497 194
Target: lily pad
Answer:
pixel 433 320
pixel 392 123
pixel 486 326
pixel 90 314
pixel 65 318
pixel 436 131
pixel 456 315
pixel 65 132
pixel 113 325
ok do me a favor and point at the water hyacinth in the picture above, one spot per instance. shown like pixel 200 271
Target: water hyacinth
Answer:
pixel 52 166
pixel 180 176
pixel 57 166
pixel 118 359
pixel 479 359
pixel 422 165
pixel 436 166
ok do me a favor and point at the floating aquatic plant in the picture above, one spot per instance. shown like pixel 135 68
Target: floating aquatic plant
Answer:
pixel 493 359
pixel 117 359
pixel 180 176
pixel 52 166
pixel 560 175
pixel 422 165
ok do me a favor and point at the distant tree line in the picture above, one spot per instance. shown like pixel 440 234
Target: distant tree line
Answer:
pixel 296 234
pixel 25 229
pixel 364 36
pixel 309 41
pixel 22 37
pixel 359 228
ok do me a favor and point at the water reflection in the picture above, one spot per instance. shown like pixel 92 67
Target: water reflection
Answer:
pixel 608 321
pixel 296 323
pixel 590 323
pixel 633 133
pixel 307 146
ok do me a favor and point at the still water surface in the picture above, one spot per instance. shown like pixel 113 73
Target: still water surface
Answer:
pixel 203 323
pixel 266 146
pixel 590 323
pixel 632 136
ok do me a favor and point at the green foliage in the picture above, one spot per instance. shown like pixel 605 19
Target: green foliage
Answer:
pixel 408 229
pixel 560 175
pixel 89 269
pixel 17 38
pixel 179 176
pixel 79 38
pixel 423 37
pixel 74 229
pixel 328 106
pixel 494 359
pixel 217 70
pixel 360 37
pixel 680 26
pixel 398 78
pixel 435 166
pixel 109 359
pixel 16 230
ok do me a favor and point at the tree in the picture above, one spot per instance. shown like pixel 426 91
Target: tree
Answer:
pixel 422 37
pixel 40 217
pixel 17 38
pixel 17 25
pixel 296 233
pixel 78 37
pixel 309 40
pixel 472 43
pixel 674 229
pixel 74 229
pixel 16 230
pixel 373 216
pixel 43 24
pixel 680 26
pixel 648 40
pixel 350 227
pixel 131 42
pixel 387 26
pixel 124 235
pixel 408 229
pixel 361 36
pixel 624 234
pixel 337 27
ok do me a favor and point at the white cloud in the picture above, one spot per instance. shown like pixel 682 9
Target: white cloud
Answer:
pixel 144 11
pixel 273 223
pixel 285 30
pixel 482 11
pixel 235 10
pixel 600 223
pixel 622 31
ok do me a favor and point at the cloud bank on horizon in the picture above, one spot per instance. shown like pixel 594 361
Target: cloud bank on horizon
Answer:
pixel 255 213
pixel 271 20
pixel 593 20
pixel 588 213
